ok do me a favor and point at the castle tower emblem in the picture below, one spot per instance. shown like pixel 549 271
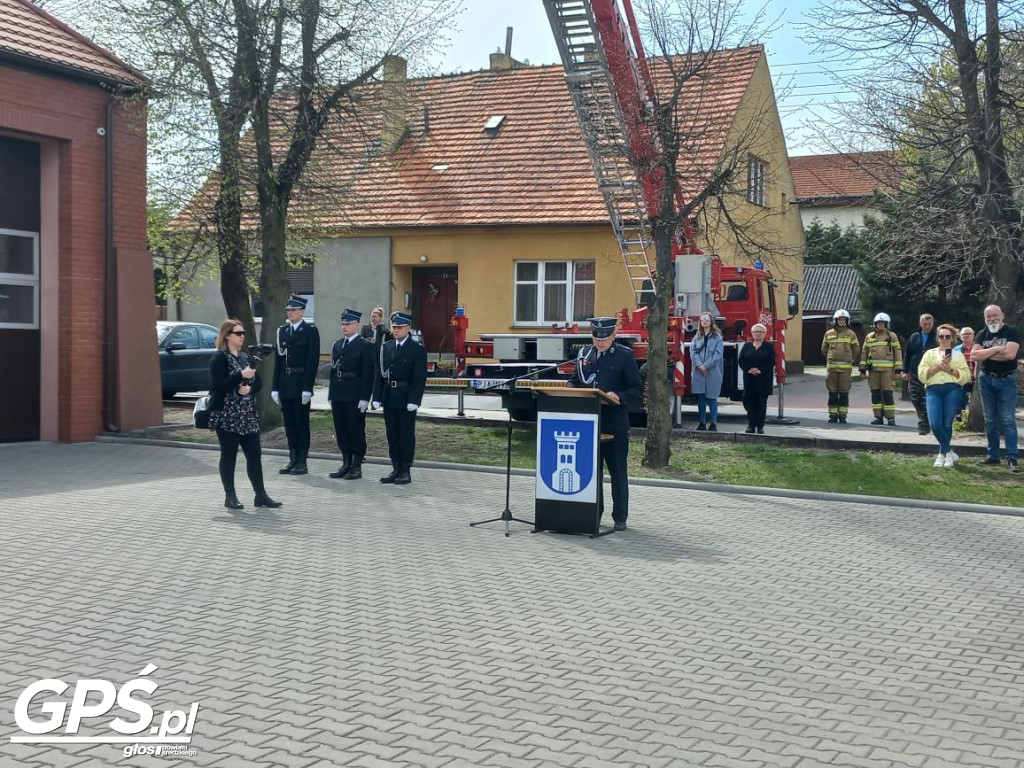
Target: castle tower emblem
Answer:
pixel 565 478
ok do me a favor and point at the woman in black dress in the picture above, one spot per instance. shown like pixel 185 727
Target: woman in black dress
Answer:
pixel 233 385
pixel 757 361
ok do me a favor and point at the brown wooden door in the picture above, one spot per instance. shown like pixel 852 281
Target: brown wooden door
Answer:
pixel 435 293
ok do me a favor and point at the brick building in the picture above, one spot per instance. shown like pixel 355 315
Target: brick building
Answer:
pixel 76 283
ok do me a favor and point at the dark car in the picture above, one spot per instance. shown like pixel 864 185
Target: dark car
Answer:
pixel 185 353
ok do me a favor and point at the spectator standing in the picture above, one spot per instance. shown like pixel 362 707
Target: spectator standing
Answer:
pixel 706 352
pixel 376 331
pixel 995 351
pixel 757 361
pixel 233 383
pixel 920 342
pixel 965 346
pixel 943 371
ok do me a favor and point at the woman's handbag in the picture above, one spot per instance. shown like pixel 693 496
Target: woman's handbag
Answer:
pixel 201 413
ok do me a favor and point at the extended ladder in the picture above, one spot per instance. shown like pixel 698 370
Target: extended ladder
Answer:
pixel 604 132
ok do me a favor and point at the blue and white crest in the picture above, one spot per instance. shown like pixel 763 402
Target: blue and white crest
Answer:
pixel 567 457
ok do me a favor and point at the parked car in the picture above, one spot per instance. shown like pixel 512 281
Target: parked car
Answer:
pixel 185 351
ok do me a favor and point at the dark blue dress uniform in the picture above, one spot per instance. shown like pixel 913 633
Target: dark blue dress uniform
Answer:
pixel 296 362
pixel 612 371
pixel 350 391
pixel 400 376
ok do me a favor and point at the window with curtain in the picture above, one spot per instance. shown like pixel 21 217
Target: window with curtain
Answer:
pixel 554 291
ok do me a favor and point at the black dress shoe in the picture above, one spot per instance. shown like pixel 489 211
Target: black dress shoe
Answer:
pixel 390 478
pixel 354 474
pixel 262 500
pixel 287 468
pixel 760 430
pixel 232 502
pixel 341 472
pixel 620 526
pixel 749 430
pixel 300 468
pixel 403 478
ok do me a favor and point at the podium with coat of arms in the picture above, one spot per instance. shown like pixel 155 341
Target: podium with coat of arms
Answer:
pixel 567 496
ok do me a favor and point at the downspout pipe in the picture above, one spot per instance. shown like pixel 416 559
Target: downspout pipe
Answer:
pixel 110 315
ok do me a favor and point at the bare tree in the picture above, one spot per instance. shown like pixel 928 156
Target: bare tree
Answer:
pixel 944 94
pixel 701 159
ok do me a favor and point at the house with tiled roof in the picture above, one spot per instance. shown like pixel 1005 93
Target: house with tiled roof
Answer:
pixel 839 188
pixel 76 281
pixel 828 287
pixel 476 189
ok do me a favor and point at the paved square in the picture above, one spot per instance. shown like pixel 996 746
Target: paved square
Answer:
pixel 369 625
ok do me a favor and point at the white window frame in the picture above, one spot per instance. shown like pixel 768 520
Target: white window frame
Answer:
pixel 570 288
pixel 757 181
pixel 32 281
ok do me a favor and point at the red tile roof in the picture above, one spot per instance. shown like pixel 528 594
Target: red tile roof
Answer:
pixel 847 175
pixel 30 33
pixel 534 171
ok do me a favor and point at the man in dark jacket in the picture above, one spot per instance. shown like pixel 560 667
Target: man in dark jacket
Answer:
pixel 920 342
pixel 611 368
pixel 350 392
pixel 298 355
pixel 400 376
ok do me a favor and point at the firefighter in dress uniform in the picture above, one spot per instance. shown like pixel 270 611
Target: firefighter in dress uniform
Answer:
pixel 841 349
pixel 350 392
pixel 295 364
pixel 400 376
pixel 611 368
pixel 882 361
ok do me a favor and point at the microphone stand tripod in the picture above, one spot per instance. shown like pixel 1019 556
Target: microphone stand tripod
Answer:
pixel 506 515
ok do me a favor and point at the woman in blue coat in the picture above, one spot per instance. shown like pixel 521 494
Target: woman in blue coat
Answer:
pixel 706 375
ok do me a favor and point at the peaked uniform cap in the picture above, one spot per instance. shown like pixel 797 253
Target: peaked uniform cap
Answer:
pixel 351 316
pixel 296 302
pixel 400 318
pixel 602 327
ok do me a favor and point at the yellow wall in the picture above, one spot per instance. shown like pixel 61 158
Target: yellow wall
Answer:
pixel 757 131
pixel 485 257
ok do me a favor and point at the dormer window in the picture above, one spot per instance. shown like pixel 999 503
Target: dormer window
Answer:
pixel 494 125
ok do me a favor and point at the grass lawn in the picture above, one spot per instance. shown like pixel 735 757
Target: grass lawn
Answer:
pixel 856 472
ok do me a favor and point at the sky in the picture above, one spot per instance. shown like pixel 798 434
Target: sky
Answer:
pixel 805 81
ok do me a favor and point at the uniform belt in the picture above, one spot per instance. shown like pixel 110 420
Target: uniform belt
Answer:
pixel 1003 375
pixel 347 375
pixel 398 384
pixel 293 370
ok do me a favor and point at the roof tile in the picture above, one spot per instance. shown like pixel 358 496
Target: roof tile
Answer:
pixel 854 174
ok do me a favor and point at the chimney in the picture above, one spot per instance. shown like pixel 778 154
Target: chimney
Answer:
pixel 500 60
pixel 394 96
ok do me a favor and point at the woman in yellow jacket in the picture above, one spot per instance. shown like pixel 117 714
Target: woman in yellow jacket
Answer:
pixel 943 371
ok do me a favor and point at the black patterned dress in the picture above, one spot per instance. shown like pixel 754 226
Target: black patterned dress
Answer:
pixel 239 413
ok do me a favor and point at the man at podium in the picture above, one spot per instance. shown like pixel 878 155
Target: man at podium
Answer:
pixel 611 368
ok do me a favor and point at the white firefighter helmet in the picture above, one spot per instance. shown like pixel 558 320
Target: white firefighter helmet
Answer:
pixel 840 313
pixel 881 317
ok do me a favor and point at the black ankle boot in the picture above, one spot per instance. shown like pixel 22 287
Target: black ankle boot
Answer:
pixel 287 468
pixel 344 468
pixel 300 467
pixel 262 500
pixel 231 502
pixel 390 478
pixel 355 471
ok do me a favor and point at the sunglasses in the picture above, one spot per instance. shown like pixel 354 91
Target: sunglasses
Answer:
pixel 945 336
pixel 236 333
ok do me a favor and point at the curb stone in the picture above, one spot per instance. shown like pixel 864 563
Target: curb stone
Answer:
pixel 686 485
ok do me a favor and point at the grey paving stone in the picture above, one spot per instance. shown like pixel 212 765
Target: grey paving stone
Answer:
pixel 365 624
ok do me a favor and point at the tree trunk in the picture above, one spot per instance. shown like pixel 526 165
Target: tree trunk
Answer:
pixel 234 286
pixel 274 293
pixel 657 450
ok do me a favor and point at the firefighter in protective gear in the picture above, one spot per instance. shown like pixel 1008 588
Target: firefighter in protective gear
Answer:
pixel 881 362
pixel 841 349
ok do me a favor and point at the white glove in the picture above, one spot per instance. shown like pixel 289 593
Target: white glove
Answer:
pixel 306 397
pixel 411 407
pixel 276 397
pixel 362 405
pixel 375 405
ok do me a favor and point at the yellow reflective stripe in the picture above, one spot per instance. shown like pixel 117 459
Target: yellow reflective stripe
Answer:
pixel 840 366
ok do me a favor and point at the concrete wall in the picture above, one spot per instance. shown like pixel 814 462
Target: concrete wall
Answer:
pixel 350 273
pixel 845 216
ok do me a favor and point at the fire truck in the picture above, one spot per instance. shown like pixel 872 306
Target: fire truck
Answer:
pixel 612 88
